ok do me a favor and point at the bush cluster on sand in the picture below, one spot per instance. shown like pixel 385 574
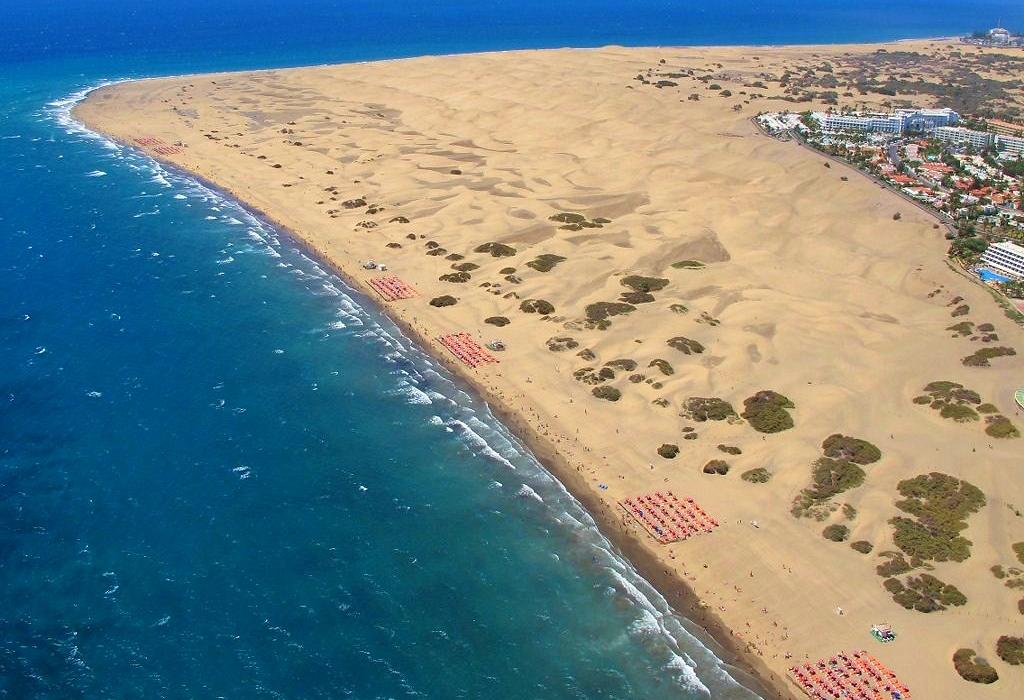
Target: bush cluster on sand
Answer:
pixel 445 300
pixel 940 505
pixel 1000 427
pixel 663 366
pixel 894 565
pixel 561 344
pixel 981 356
pixel 464 267
pixel 636 297
pixel 608 393
pixel 688 265
pixel 829 477
pixel 588 375
pixel 498 321
pixel 639 283
pixel 758 475
pixel 961 310
pixel 668 451
pixel 702 409
pixel 851 449
pixel 572 221
pixel 537 306
pixel 972 668
pixel 730 449
pixel 497 250
pixel 862 546
pixel 624 364
pixel 458 277
pixel 924 593
pixel 687 346
pixel 962 329
pixel 1011 650
pixel 545 262
pixel 678 309
pixel 766 411
pixel 836 533
pixel 602 310
pixel 716 466
pixel 1018 549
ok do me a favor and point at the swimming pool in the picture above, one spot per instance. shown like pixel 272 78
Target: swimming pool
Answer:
pixel 987 275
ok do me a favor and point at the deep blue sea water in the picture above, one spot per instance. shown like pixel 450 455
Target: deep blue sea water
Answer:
pixel 223 474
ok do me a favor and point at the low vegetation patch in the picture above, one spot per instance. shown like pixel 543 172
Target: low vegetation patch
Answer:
pixel 608 393
pixel 703 409
pixel 537 306
pixel 973 668
pixel 599 312
pixel 924 593
pixel 668 451
pixel 545 262
pixel 636 297
pixel 940 505
pixel 687 346
pixel 1011 650
pixel 766 411
pixel 644 284
pixel 758 475
pixel 561 344
pixel 716 466
pixel 588 375
pixel 730 449
pixel 459 277
pixel 464 267
pixel 836 533
pixel 497 250
pixel 445 300
pixel 624 364
pixel 850 449
pixel 498 321
pixel 572 221
pixel 981 356
pixel 862 546
pixel 663 366
pixel 1000 427
pixel 688 265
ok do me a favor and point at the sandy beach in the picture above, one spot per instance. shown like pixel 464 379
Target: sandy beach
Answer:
pixel 649 246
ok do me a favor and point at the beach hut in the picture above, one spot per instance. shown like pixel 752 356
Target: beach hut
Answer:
pixel 883 632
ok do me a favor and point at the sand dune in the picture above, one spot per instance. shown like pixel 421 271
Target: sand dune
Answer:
pixel 797 281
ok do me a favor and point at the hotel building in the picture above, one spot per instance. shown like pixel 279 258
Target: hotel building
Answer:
pixel 1010 145
pixel 898 122
pixel 1005 257
pixel 979 140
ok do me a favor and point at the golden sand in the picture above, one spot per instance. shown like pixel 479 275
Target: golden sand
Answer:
pixel 809 287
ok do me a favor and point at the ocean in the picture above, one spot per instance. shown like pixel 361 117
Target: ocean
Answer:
pixel 223 474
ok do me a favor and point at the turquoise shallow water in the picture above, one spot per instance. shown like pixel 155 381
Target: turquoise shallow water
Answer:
pixel 222 474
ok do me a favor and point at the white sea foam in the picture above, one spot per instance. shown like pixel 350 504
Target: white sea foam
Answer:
pixel 527 492
pixel 95 173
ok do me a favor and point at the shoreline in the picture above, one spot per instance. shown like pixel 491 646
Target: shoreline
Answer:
pixel 428 139
pixel 680 596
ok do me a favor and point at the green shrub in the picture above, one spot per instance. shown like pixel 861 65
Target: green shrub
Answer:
pixel 836 533
pixel 716 466
pixel 445 300
pixel 961 310
pixel 567 218
pixel 959 413
pixel 1000 427
pixel 465 267
pixel 458 277
pixel 498 321
pixel 537 306
pixel 601 310
pixel 831 477
pixel 497 250
pixel 703 409
pixel 766 412
pixel 981 357
pixel 636 298
pixel 894 565
pixel 663 366
pixel 1018 549
pixel 964 328
pixel 678 309
pixel 545 262
pixel 668 451
pixel 625 364
pixel 758 475
pixel 1011 650
pixel 688 265
pixel 730 449
pixel 987 408
pixel 973 669
pixel 608 393
pixel 686 346
pixel 862 546
pixel 644 284
pixel 940 503
pixel 850 449
pixel 561 344
pixel 924 593
pixel 922 400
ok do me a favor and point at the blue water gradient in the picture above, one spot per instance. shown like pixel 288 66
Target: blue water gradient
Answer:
pixel 222 473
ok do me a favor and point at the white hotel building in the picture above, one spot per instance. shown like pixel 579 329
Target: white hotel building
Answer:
pixel 978 140
pixel 1005 257
pixel 1012 146
pixel 898 122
